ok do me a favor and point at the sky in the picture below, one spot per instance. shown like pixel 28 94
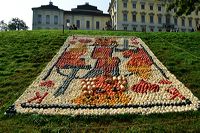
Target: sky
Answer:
pixel 22 8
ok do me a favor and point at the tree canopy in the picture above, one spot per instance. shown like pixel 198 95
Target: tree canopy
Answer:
pixel 3 26
pixel 184 7
pixel 17 24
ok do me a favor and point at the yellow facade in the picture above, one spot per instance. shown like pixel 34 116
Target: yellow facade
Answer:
pixel 128 15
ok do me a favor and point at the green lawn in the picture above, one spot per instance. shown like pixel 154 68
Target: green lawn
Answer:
pixel 24 54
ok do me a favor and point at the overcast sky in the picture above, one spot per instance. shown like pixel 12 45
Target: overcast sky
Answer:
pixel 22 8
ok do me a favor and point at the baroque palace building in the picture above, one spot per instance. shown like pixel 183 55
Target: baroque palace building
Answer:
pixel 84 17
pixel 132 15
pixel 149 15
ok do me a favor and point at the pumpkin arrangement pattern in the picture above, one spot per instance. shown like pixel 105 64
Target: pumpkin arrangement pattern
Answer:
pixel 94 75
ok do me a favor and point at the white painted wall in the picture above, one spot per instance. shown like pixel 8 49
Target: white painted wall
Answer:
pixel 51 13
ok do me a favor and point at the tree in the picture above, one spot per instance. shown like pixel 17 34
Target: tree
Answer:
pixel 184 7
pixel 17 24
pixel 3 26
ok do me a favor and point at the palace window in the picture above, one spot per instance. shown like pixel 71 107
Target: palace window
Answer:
pixel 47 19
pixel 151 7
pixel 159 8
pixel 39 19
pixel 168 20
pixel 196 13
pixel 68 21
pixel 125 28
pixel 142 5
pixel 151 29
pixel 125 17
pixel 190 22
pixel 97 25
pixel 175 9
pixel 134 5
pixel 55 19
pixel 151 19
pixel 78 23
pixel 175 21
pixel 143 18
pixel 159 19
pixel 134 17
pixel 125 4
pixel 134 28
pixel 143 29
pixel 183 22
pixel 160 29
pixel 88 24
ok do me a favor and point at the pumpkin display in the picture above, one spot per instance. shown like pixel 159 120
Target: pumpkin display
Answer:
pixel 95 75
pixel 139 63
pixel 103 90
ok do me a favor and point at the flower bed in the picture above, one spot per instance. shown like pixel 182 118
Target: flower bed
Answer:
pixel 105 75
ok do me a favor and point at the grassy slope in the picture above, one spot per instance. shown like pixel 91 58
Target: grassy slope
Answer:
pixel 23 55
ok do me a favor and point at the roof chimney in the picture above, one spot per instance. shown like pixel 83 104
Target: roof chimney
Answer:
pixel 87 3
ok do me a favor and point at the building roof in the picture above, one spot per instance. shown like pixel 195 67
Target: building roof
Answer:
pixel 50 6
pixel 86 9
pixel 86 13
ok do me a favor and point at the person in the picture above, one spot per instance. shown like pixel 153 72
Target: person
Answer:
pixel 74 27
